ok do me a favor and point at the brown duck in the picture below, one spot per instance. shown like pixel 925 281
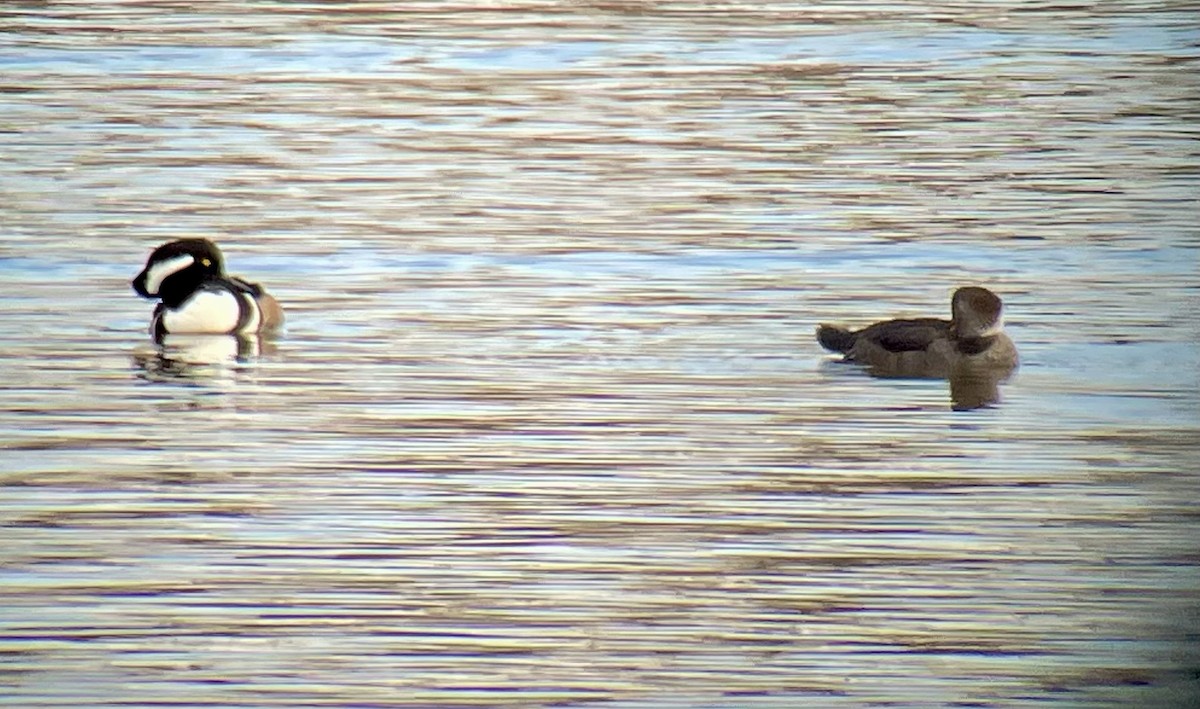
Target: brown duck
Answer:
pixel 972 343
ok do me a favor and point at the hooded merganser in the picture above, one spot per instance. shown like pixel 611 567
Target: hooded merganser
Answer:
pixel 971 342
pixel 197 297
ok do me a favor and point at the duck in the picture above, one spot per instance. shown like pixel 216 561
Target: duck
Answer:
pixel 196 297
pixel 971 344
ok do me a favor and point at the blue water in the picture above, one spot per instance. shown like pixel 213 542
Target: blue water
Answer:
pixel 549 426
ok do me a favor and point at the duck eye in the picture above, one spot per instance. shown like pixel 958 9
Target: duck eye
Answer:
pixel 205 262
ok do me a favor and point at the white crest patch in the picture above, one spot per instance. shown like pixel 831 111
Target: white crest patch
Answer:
pixel 162 270
pixel 211 312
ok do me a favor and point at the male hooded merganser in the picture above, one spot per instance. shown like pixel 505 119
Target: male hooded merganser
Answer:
pixel 971 342
pixel 198 297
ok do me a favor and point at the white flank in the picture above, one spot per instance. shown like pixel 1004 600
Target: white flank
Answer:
pixel 161 271
pixel 255 318
pixel 205 313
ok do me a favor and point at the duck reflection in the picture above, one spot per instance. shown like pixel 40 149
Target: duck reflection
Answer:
pixel 198 357
pixel 968 390
pixel 970 350
pixel 976 390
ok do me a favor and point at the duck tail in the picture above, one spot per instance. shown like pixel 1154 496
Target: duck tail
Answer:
pixel 835 339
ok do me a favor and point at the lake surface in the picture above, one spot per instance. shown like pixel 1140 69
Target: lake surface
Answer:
pixel 548 426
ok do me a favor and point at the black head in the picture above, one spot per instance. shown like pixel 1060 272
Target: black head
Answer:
pixel 177 268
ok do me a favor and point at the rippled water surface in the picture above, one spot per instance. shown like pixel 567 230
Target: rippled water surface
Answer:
pixel 548 426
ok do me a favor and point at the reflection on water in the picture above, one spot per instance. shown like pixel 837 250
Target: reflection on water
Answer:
pixel 199 357
pixel 966 391
pixel 975 390
pixel 549 427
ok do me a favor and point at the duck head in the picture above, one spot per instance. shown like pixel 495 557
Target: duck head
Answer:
pixel 975 313
pixel 177 268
